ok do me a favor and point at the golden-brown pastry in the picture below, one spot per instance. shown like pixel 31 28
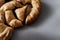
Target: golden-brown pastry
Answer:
pixel 34 11
pixel 10 5
pixel 5 32
pixel 11 20
pixel 16 23
pixel 2 2
pixel 20 13
pixel 28 13
pixel 9 16
pixel 8 13
pixel 2 17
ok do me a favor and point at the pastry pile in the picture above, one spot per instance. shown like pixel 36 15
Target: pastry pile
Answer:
pixel 16 13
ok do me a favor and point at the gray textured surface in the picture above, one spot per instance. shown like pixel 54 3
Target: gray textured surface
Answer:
pixel 47 27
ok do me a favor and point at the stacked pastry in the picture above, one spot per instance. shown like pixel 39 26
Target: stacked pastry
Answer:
pixel 16 13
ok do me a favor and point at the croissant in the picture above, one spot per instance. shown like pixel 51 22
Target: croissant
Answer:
pixel 21 14
pixel 16 13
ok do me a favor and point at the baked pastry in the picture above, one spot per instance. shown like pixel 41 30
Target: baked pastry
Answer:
pixel 5 32
pixel 34 10
pixel 9 16
pixel 10 5
pixel 18 12
pixel 11 20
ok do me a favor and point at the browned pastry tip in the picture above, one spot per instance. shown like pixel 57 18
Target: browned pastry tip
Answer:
pixel 11 20
pixel 9 16
pixel 15 23
pixel 20 13
pixel 5 32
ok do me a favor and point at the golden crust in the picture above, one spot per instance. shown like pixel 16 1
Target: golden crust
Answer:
pixel 20 12
pixel 26 14
pixel 9 16
pixel 15 13
pixel 10 5
pixel 5 32
pixel 34 10
pixel 15 23
pixel 2 18
pixel 11 20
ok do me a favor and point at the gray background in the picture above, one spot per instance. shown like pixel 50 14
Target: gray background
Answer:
pixel 47 26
